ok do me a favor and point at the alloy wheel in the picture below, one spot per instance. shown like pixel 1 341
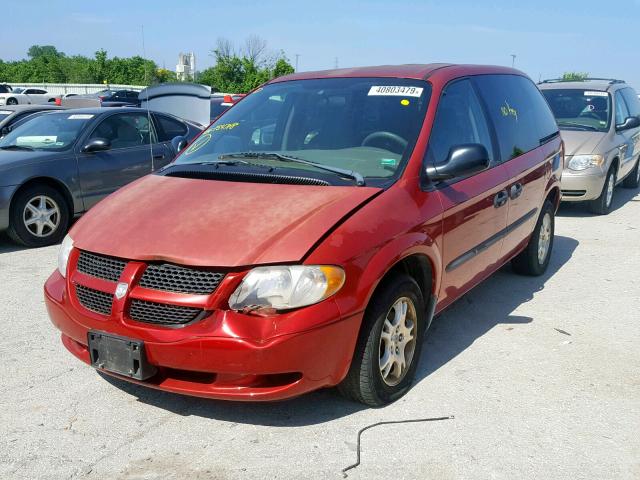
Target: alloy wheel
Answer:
pixel 41 216
pixel 544 239
pixel 611 183
pixel 397 341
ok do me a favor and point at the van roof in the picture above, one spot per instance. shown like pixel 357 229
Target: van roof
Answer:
pixel 413 71
pixel 603 84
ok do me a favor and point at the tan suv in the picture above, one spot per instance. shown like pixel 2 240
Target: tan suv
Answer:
pixel 599 121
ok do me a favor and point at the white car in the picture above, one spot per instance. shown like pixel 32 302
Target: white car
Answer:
pixel 26 96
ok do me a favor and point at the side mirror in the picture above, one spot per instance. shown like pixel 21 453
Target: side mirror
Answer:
pixel 463 160
pixel 630 122
pixel 178 144
pixel 97 145
pixel 5 130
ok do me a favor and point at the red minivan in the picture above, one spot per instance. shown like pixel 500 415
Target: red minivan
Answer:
pixel 307 238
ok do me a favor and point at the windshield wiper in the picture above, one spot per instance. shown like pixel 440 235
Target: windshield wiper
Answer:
pixel 17 147
pixel 579 125
pixel 359 179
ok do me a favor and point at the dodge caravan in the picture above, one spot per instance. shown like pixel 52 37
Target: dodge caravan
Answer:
pixel 308 237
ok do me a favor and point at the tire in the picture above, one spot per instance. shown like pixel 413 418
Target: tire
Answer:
pixel 12 101
pixel 52 226
pixel 602 204
pixel 534 259
pixel 364 381
pixel 633 179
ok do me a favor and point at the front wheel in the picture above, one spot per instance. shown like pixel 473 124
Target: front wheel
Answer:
pixel 38 217
pixel 602 204
pixel 388 348
pixel 12 101
pixel 534 259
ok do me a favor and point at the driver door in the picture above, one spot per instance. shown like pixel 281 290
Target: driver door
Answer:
pixel 133 143
pixel 475 207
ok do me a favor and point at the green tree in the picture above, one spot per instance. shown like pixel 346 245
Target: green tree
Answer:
pixel 241 72
pixel 574 76
pixel 36 51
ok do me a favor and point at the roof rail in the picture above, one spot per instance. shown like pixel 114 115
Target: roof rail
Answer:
pixel 588 79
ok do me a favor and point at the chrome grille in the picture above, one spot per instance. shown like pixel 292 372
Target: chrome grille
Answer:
pixel 178 279
pixel 94 300
pixel 100 266
pixel 162 314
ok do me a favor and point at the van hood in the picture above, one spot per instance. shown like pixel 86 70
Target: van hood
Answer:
pixel 214 223
pixel 579 142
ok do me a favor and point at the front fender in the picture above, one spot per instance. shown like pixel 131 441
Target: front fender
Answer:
pixel 400 222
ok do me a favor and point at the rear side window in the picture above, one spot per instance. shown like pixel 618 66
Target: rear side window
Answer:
pixel 459 120
pixel 632 101
pixel 520 114
pixel 169 128
pixel 622 112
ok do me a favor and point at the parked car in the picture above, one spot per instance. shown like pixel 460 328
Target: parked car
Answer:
pixel 308 236
pixel 60 164
pixel 600 124
pixel 115 98
pixel 222 103
pixel 26 96
pixel 4 88
pixel 11 115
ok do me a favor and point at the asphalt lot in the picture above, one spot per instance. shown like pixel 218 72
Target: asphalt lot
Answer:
pixel 541 374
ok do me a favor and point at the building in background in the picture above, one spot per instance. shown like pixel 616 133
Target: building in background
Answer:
pixel 186 67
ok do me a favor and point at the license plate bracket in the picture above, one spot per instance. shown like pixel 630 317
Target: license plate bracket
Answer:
pixel 120 355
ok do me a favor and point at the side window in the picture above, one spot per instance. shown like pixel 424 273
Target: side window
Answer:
pixel 125 130
pixel 169 128
pixel 515 113
pixel 632 101
pixel 622 112
pixel 459 120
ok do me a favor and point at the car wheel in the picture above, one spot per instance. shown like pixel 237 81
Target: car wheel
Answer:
pixel 12 101
pixel 389 345
pixel 633 179
pixel 534 259
pixel 602 204
pixel 38 217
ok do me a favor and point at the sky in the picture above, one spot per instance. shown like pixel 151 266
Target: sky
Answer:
pixel 548 37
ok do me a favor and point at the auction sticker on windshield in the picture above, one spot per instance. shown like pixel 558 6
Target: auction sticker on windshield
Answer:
pixel 395 90
pixel 587 93
pixel 80 116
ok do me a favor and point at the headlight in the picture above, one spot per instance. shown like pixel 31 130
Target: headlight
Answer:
pixel 284 287
pixel 63 255
pixel 582 162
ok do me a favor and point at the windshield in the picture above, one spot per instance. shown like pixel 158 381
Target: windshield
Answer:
pixel 580 109
pixel 4 114
pixel 18 90
pixel 367 125
pixel 51 131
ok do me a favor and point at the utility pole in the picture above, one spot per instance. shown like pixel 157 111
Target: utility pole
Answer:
pixel 297 56
pixel 336 63
pixel 513 60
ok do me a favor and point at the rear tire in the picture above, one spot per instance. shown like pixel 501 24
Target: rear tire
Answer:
pixel 376 376
pixel 602 204
pixel 633 179
pixel 39 216
pixel 12 101
pixel 534 259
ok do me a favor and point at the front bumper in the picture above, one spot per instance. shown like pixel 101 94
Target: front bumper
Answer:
pixel 578 187
pixel 194 361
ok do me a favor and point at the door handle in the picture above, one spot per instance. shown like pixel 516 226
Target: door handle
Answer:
pixel 515 191
pixel 500 199
pixel 158 157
